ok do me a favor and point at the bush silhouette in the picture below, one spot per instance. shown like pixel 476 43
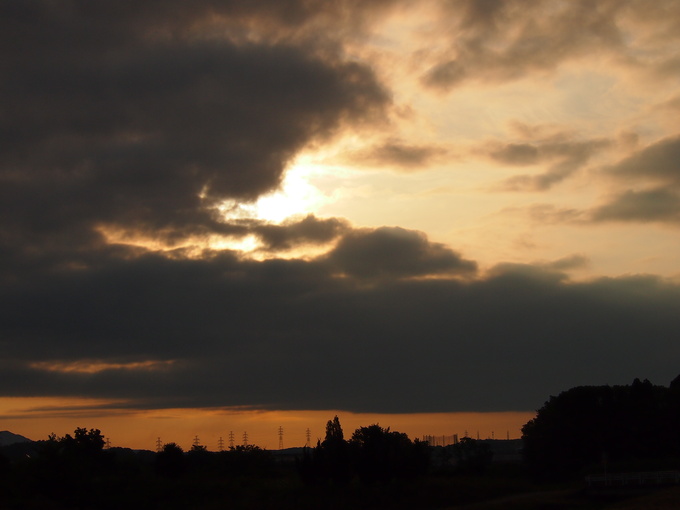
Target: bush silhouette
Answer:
pixel 170 461
pixel 593 425
pixel 381 455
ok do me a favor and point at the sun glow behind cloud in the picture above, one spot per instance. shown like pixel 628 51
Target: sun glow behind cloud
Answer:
pixel 297 196
pixel 509 128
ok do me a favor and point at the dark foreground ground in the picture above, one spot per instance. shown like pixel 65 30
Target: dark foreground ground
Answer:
pixel 46 475
pixel 503 488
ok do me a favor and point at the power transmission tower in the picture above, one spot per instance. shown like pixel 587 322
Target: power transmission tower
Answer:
pixel 159 445
pixel 197 443
pixel 231 439
pixel 280 438
pixel 309 437
pixel 245 438
pixel 220 444
pixel 107 445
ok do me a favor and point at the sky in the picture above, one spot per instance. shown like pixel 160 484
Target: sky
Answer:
pixel 225 215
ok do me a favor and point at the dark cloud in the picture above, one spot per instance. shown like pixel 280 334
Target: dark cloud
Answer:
pixel 393 252
pixel 398 154
pixel 309 230
pixel 117 115
pixel 549 214
pixel 658 162
pixel 565 157
pixel 497 40
pixel 516 154
pixel 290 335
pixel 130 121
pixel 650 178
pixel 571 262
pixel 657 199
pixel 658 204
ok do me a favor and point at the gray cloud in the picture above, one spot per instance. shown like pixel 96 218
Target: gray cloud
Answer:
pixel 658 204
pixel 309 230
pixel 141 116
pixel 571 262
pixel 650 178
pixel 565 156
pixel 517 154
pixel 659 161
pixel 118 116
pixel 289 335
pixel 393 252
pixel 397 154
pixel 657 199
pixel 495 41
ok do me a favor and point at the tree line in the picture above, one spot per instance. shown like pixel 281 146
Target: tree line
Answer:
pixel 599 428
pixel 77 471
pixel 372 455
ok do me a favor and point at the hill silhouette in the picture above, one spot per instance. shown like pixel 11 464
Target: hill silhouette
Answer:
pixel 8 438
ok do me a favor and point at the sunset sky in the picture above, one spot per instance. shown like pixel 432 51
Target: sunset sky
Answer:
pixel 225 216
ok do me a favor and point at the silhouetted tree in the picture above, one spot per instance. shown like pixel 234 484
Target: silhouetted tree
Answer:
pixel 472 456
pixel 333 453
pixel 334 433
pixel 373 453
pixel 306 466
pixel 170 461
pixel 381 455
pixel 330 458
pixel 591 425
pixel 67 468
pixel 246 460
pixel 83 452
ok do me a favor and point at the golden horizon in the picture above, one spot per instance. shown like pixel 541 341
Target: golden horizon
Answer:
pixel 37 418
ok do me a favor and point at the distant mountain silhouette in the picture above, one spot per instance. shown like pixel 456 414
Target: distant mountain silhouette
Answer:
pixel 7 438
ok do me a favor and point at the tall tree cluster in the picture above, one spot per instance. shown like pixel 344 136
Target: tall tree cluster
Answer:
pixel 373 454
pixel 605 427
